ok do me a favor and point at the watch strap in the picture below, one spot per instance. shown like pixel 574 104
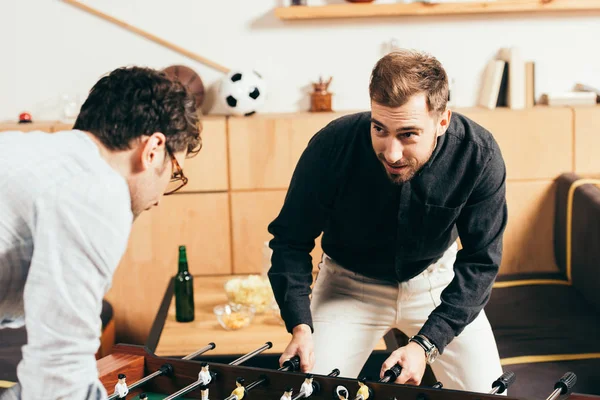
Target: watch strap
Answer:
pixel 424 343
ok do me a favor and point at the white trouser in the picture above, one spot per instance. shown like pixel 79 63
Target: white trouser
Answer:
pixel 351 313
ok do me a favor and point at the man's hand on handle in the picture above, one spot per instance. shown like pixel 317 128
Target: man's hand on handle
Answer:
pixel 302 346
pixel 412 360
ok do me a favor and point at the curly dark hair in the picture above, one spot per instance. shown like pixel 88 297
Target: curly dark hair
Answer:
pixel 131 102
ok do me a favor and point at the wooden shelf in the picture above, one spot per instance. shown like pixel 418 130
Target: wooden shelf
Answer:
pixel 361 10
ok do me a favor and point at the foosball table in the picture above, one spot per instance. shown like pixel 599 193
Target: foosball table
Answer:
pixel 133 372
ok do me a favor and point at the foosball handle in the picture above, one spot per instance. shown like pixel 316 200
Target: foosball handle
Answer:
pixel 316 387
pixel 438 385
pixel 166 369
pixel 504 381
pixel 566 383
pixel 293 364
pixel 334 373
pixel 393 373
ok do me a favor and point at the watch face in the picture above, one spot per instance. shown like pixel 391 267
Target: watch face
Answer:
pixel 433 355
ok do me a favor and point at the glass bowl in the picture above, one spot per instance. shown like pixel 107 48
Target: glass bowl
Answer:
pixel 252 291
pixel 234 317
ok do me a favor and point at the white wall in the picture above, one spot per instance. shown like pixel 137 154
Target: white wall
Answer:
pixel 48 47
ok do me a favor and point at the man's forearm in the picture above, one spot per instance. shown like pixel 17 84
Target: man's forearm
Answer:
pixel 292 295
pixel 461 301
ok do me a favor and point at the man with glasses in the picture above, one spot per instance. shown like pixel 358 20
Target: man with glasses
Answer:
pixel 67 203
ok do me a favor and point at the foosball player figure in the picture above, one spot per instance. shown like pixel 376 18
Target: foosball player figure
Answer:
pixel 307 386
pixel 343 394
pixel 287 395
pixel 143 396
pixel 121 388
pixel 240 390
pixel 364 392
pixel 204 377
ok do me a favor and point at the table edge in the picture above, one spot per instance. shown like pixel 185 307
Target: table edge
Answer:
pixel 161 318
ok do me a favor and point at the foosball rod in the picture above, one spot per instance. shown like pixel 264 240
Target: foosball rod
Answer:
pixel 166 369
pixel 503 382
pixel 240 360
pixel 563 386
pixel 316 387
pixel 293 364
pixel 203 350
pixel 248 356
pixel 393 373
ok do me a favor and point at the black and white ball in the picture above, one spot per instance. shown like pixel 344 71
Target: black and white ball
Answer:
pixel 241 92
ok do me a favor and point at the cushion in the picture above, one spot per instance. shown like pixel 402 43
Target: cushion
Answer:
pixel 543 331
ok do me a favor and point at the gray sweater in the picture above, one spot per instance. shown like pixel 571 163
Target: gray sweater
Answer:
pixel 65 219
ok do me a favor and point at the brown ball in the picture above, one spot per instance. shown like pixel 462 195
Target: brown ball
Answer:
pixel 188 78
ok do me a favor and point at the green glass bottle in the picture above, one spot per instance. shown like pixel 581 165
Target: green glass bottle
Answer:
pixel 184 290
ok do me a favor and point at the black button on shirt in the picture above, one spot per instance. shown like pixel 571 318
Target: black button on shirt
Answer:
pixel 389 231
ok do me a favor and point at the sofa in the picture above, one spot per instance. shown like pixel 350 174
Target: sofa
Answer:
pixel 546 324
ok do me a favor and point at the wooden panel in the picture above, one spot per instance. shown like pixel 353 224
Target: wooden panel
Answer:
pixel 107 340
pixel 45 126
pixel 264 149
pixel 61 126
pixel 251 213
pixel 199 221
pixel 528 240
pixel 179 339
pixel 587 140
pixel 420 9
pixel 111 366
pixel 207 170
pixel 536 143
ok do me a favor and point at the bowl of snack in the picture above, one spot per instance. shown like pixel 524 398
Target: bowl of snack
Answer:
pixel 234 317
pixel 252 290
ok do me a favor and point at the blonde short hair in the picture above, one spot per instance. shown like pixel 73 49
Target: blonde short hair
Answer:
pixel 403 73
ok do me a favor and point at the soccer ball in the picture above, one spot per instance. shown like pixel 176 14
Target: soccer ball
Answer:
pixel 241 92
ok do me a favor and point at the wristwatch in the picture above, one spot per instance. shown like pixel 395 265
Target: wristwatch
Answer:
pixel 431 352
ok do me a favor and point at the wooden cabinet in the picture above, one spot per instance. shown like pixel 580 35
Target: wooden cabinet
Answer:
pixel 251 213
pixel 587 140
pixel 208 170
pixel 199 221
pixel 536 143
pixel 529 237
pixel 264 149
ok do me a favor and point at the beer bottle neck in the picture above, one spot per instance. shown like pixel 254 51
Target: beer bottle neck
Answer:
pixel 183 266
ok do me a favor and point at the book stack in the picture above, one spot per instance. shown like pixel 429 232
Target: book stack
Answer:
pixel 582 95
pixel 508 81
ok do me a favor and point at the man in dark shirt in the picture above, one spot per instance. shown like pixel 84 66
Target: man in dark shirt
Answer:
pixel 392 190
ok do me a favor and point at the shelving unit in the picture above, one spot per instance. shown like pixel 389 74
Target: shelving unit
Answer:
pixel 363 10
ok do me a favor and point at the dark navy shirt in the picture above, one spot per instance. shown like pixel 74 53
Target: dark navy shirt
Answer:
pixel 393 231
